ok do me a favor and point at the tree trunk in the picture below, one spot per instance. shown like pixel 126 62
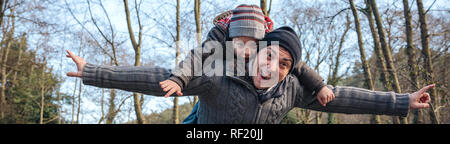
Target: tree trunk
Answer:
pixel 102 117
pixel 377 49
pixel 22 44
pixel 58 94
pixel 334 76
pixel 387 55
pixel 2 11
pixel 112 107
pixel 198 27
pixel 263 6
pixel 4 57
pixel 428 60
pixel 177 54
pixel 41 119
pixel 367 74
pixel 79 103
pixel 73 101
pixel 137 61
pixel 42 84
pixel 410 51
pixel 5 53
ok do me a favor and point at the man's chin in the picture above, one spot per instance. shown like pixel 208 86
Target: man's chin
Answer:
pixel 261 83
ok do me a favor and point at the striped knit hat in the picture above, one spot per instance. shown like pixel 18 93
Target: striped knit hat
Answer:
pixel 248 21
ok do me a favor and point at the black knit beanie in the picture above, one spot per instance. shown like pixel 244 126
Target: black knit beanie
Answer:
pixel 288 39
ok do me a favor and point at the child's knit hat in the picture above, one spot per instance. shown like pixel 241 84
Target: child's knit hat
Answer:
pixel 247 20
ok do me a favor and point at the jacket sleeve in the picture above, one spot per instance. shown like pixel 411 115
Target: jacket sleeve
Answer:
pixel 141 79
pixel 308 77
pixel 184 72
pixel 351 100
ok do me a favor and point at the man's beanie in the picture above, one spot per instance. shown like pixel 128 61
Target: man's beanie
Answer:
pixel 248 21
pixel 288 39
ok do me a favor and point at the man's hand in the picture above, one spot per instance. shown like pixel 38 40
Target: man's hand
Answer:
pixel 80 64
pixel 421 98
pixel 171 86
pixel 325 96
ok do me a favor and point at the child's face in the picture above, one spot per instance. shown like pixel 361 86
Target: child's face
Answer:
pixel 244 47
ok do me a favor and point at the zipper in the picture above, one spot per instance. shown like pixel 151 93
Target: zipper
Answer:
pixel 258 113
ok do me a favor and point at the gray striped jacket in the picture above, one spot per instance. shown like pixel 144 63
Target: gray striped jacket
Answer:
pixel 226 99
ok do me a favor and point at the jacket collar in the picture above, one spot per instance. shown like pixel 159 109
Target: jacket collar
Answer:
pixel 263 95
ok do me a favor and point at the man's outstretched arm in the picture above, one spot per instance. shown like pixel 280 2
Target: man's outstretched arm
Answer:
pixel 351 100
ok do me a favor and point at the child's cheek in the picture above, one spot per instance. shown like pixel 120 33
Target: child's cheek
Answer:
pixel 238 53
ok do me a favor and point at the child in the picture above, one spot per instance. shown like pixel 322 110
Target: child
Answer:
pixel 247 24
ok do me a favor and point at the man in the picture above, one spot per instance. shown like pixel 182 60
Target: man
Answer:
pixel 262 98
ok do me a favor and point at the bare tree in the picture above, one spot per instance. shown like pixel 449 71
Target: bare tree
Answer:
pixel 111 41
pixel 334 79
pixel 266 9
pixel 137 51
pixel 177 55
pixel 198 26
pixel 387 54
pixel 80 88
pixel 8 34
pixel 3 5
pixel 365 65
pixel 425 38
pixel 410 51
pixel 42 105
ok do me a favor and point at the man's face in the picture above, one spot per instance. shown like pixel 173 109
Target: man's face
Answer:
pixel 244 47
pixel 272 64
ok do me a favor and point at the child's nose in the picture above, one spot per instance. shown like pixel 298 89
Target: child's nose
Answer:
pixel 270 66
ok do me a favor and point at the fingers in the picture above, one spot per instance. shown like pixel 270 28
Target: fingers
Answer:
pixel 163 84
pixel 71 55
pixel 422 105
pixel 74 57
pixel 170 93
pixel 426 88
pixel 170 87
pixel 329 98
pixel 73 74
pixel 179 93
pixel 324 100
pixel 428 98
pixel 320 101
pixel 425 98
pixel 167 88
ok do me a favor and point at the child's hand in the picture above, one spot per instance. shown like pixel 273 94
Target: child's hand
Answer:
pixel 170 86
pixel 325 96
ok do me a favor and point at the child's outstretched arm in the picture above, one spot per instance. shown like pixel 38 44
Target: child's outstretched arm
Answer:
pixel 184 72
pixel 312 81
pixel 352 100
